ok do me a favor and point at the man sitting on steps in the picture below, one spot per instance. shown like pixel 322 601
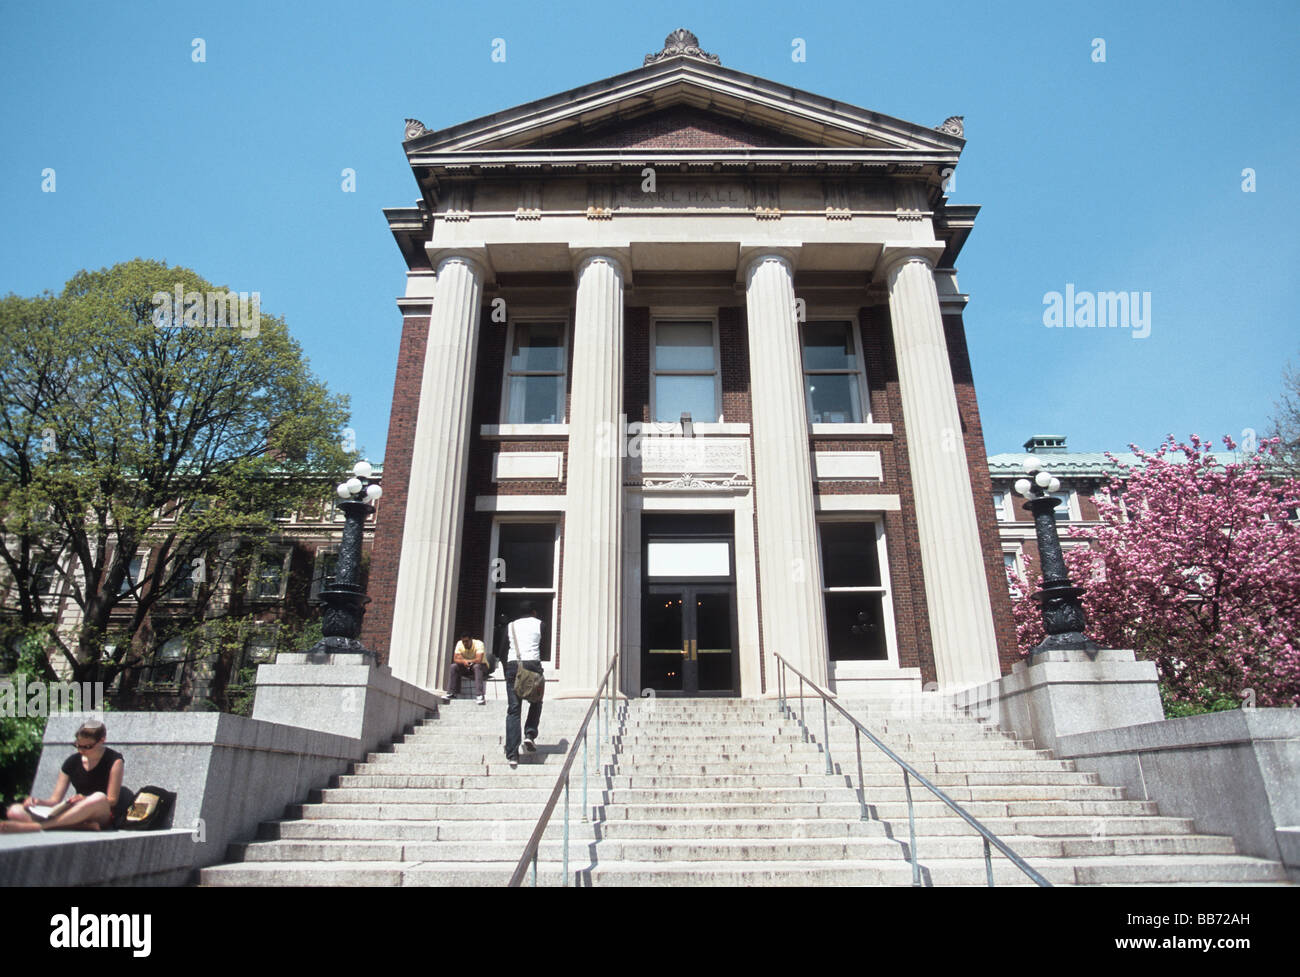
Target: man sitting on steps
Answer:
pixel 467 659
pixel 525 634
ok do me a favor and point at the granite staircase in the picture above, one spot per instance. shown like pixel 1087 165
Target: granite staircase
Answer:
pixel 725 792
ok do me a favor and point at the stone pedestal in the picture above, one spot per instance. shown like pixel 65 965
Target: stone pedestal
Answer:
pixel 1066 692
pixel 340 693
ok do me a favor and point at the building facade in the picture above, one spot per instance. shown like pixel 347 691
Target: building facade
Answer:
pixel 683 365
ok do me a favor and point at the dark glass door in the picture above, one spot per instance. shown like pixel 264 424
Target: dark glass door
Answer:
pixel 688 645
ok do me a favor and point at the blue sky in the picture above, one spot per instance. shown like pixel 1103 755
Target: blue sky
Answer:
pixel 1122 175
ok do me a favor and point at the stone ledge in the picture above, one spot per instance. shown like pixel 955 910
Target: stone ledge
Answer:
pixel 85 858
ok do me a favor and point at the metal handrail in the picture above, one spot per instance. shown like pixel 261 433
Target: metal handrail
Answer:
pixel 909 772
pixel 562 783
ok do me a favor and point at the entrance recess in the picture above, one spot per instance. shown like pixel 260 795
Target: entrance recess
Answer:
pixel 688 627
pixel 689 640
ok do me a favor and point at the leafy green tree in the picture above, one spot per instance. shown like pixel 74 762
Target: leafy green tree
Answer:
pixel 123 429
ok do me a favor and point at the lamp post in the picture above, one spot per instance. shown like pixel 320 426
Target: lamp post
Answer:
pixel 344 598
pixel 1058 600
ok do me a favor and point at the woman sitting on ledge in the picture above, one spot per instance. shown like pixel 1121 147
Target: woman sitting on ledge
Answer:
pixel 95 773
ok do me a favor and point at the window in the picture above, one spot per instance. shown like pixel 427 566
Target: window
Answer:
pixel 323 573
pixel 523 570
pixel 44 579
pixel 269 575
pixel 1000 506
pixel 183 587
pixel 534 391
pixel 684 372
pixel 132 577
pixel 859 619
pixel 1062 512
pixel 1015 572
pixel 169 660
pixel 832 366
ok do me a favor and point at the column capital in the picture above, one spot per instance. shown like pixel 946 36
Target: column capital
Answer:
pixel 894 253
pixel 753 255
pixel 474 255
pixel 620 257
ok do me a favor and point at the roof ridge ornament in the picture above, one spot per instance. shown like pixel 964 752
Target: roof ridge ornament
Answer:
pixel 953 126
pixel 414 129
pixel 681 43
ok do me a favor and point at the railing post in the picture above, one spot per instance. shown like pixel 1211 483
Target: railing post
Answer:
pixel 586 811
pixel 862 786
pixel 598 770
pixel 826 736
pixel 911 829
pixel 534 869
pixel 566 831
pixel 801 722
pixel 988 862
pixel 780 686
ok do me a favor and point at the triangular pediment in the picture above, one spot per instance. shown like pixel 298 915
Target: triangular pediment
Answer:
pixel 683 102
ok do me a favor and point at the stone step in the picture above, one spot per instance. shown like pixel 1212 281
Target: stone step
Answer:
pixel 1118 870
pixel 851 810
pixel 614 778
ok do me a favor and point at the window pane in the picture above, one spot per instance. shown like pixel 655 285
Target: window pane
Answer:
pixel 269 570
pixel 684 346
pixel 538 346
pixel 675 396
pixel 528 554
pixel 834 398
pixel 828 346
pixel 534 400
pixel 855 627
pixel 849 554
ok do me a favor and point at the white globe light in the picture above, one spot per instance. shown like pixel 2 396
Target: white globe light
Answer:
pixel 1043 479
pixel 1054 485
pixel 343 491
pixel 1032 465
pixel 1022 486
pixel 353 485
pixel 373 492
pixel 362 469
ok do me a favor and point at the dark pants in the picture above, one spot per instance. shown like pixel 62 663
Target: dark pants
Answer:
pixel 514 706
pixel 479 672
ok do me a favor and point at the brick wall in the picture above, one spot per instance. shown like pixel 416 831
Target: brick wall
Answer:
pixel 378 623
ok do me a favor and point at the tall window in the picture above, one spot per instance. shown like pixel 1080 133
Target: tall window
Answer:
pixel 132 575
pixel 168 662
pixel 523 571
pixel 327 561
pixel 684 372
pixel 854 592
pixel 832 367
pixel 270 573
pixel 534 391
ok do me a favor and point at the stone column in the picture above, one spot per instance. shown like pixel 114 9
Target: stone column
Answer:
pixel 428 576
pixel 952 561
pixel 591 579
pixel 789 563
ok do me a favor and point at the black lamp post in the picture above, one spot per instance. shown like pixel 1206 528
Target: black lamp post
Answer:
pixel 343 596
pixel 1058 600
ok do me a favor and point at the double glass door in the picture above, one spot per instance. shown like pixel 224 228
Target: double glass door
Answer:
pixel 688 640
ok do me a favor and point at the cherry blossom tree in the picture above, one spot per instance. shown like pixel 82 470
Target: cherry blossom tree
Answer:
pixel 1196 566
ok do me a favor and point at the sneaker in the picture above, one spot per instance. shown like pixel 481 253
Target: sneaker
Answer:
pixel 529 745
pixel 446 698
pixel 482 701
pixel 514 764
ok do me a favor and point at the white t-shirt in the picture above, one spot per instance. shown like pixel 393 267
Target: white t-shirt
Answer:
pixel 528 632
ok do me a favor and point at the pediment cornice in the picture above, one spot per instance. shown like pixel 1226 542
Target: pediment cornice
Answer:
pixel 810 120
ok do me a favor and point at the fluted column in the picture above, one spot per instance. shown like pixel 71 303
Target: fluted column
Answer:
pixel 591 579
pixel 428 576
pixel 790 572
pixel 952 561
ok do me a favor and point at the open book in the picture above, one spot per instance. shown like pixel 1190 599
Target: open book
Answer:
pixel 45 812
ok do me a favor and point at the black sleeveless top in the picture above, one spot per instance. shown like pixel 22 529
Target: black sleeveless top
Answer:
pixel 86 782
